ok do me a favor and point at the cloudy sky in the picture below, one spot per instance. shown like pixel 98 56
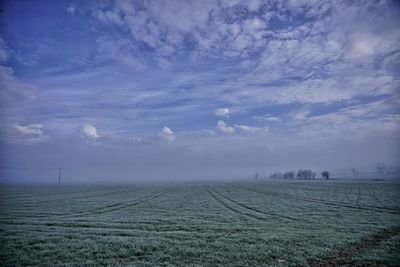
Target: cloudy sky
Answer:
pixel 142 90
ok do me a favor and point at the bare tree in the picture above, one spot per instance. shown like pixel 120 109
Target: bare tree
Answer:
pixel 325 174
pixel 299 174
pixel 288 175
pixel 380 167
pixel 304 174
pixel 276 175
pixel 355 171
pixel 309 174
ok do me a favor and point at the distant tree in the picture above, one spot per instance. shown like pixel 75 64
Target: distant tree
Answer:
pixel 313 175
pixel 276 175
pixel 380 167
pixel 299 174
pixel 256 176
pixel 304 174
pixel 309 174
pixel 325 174
pixel 355 171
pixel 288 175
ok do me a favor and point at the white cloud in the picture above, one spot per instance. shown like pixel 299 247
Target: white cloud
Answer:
pixel 89 131
pixel 300 115
pixel 349 124
pixel 118 51
pixel 165 24
pixel 181 15
pixel 209 132
pixel 365 47
pixel 71 10
pixel 244 128
pixel 222 112
pixel 114 16
pixel 167 134
pixel 254 5
pixel 30 133
pixel 267 118
pixel 3 52
pixel 137 139
pixel 12 91
pixel 30 129
pixel 224 128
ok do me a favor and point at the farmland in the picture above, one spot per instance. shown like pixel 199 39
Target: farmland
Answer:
pixel 269 223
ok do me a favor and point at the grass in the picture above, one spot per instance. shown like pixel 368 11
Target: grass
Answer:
pixel 274 223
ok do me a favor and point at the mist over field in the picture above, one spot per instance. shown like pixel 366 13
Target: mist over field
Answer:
pixel 199 133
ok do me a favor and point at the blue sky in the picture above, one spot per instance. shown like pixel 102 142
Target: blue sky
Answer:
pixel 161 89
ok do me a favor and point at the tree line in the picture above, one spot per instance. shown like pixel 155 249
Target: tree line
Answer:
pixel 300 175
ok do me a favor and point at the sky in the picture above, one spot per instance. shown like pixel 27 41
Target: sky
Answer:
pixel 161 90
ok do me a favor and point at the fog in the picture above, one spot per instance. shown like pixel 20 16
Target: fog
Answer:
pixel 96 163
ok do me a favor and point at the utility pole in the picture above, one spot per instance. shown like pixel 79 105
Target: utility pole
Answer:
pixel 59 175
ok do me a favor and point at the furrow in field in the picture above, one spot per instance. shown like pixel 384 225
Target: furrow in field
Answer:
pixel 358 196
pixel 34 196
pixel 344 256
pixel 347 193
pixel 120 206
pixel 326 202
pixel 271 214
pixel 71 225
pixel 90 197
pixel 26 201
pixel 116 207
pixel 230 208
pixel 88 231
pixel 94 225
pixel 375 196
pixel 96 211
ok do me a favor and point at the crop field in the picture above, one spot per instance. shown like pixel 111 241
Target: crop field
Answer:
pixel 264 223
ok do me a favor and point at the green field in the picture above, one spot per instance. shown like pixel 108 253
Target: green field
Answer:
pixel 265 223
